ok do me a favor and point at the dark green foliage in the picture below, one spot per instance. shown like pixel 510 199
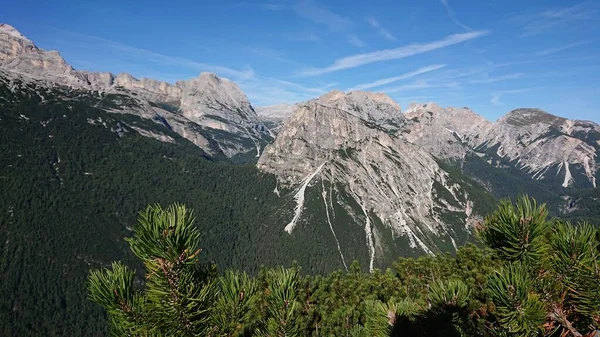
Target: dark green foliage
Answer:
pixel 429 296
pixel 516 232
pixel 550 280
pixel 518 310
pixel 72 186
pixel 236 310
pixel 281 316
pixel 539 278
pixel 178 294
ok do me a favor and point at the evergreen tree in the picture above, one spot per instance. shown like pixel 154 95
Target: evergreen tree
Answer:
pixel 550 282
pixel 178 293
pixel 537 277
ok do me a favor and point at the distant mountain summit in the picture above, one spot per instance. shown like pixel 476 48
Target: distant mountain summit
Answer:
pixel 345 160
pixel 375 107
pixel 548 148
pixel 545 146
pixel 211 112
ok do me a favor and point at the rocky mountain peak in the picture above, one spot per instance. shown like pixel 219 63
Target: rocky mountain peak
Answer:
pixel 205 105
pixel 12 31
pixel 278 112
pixel 152 90
pixel 19 55
pixel 211 77
pixel 210 88
pixel 444 132
pixel 528 116
pixel 332 147
pixel 336 95
pixel 332 95
pixel 374 107
pixel 219 104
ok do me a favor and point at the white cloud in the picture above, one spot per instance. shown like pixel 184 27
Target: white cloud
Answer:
pixel 354 61
pixel 264 91
pixel 555 50
pixel 507 77
pixel 382 31
pixel 273 54
pixel 418 85
pixel 302 37
pixel 321 15
pixel 356 41
pixel 541 22
pixel 135 53
pixel 452 15
pixel 389 80
pixel 496 96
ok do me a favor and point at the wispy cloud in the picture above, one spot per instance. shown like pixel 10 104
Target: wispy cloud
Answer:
pixel 273 54
pixel 197 46
pixel 496 96
pixel 507 77
pixel 136 53
pixel 354 61
pixel 452 15
pixel 321 15
pixel 264 91
pixel 541 22
pixel 382 31
pixel 302 37
pixel 419 85
pixel 389 80
pixel 313 90
pixel 270 6
pixel 558 49
pixel 356 41
pixel 273 6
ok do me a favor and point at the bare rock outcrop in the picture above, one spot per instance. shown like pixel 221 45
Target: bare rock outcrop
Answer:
pixel 216 105
pixel 341 139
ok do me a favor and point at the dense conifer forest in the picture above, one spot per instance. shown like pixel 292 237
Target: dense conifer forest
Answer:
pixel 534 276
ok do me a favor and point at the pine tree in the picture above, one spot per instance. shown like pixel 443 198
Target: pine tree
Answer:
pixel 550 281
pixel 536 277
pixel 178 293
pixel 235 312
pixel 283 308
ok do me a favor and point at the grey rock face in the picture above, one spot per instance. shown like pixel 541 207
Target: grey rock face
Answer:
pixel 445 133
pixel 219 104
pixel 275 116
pixel 275 113
pixel 214 104
pixel 534 141
pixel 539 142
pixel 342 139
pixel 20 55
pixel 149 89
pixel 374 107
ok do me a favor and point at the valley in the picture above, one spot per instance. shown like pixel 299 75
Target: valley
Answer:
pixel 338 178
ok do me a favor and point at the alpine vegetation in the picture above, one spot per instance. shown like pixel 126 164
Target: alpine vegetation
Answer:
pixel 533 276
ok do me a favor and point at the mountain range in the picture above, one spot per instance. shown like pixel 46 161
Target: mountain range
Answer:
pixel 338 178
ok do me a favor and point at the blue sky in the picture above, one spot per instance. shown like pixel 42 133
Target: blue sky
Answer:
pixel 490 55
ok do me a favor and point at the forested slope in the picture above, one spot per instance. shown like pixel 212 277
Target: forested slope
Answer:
pixel 73 178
